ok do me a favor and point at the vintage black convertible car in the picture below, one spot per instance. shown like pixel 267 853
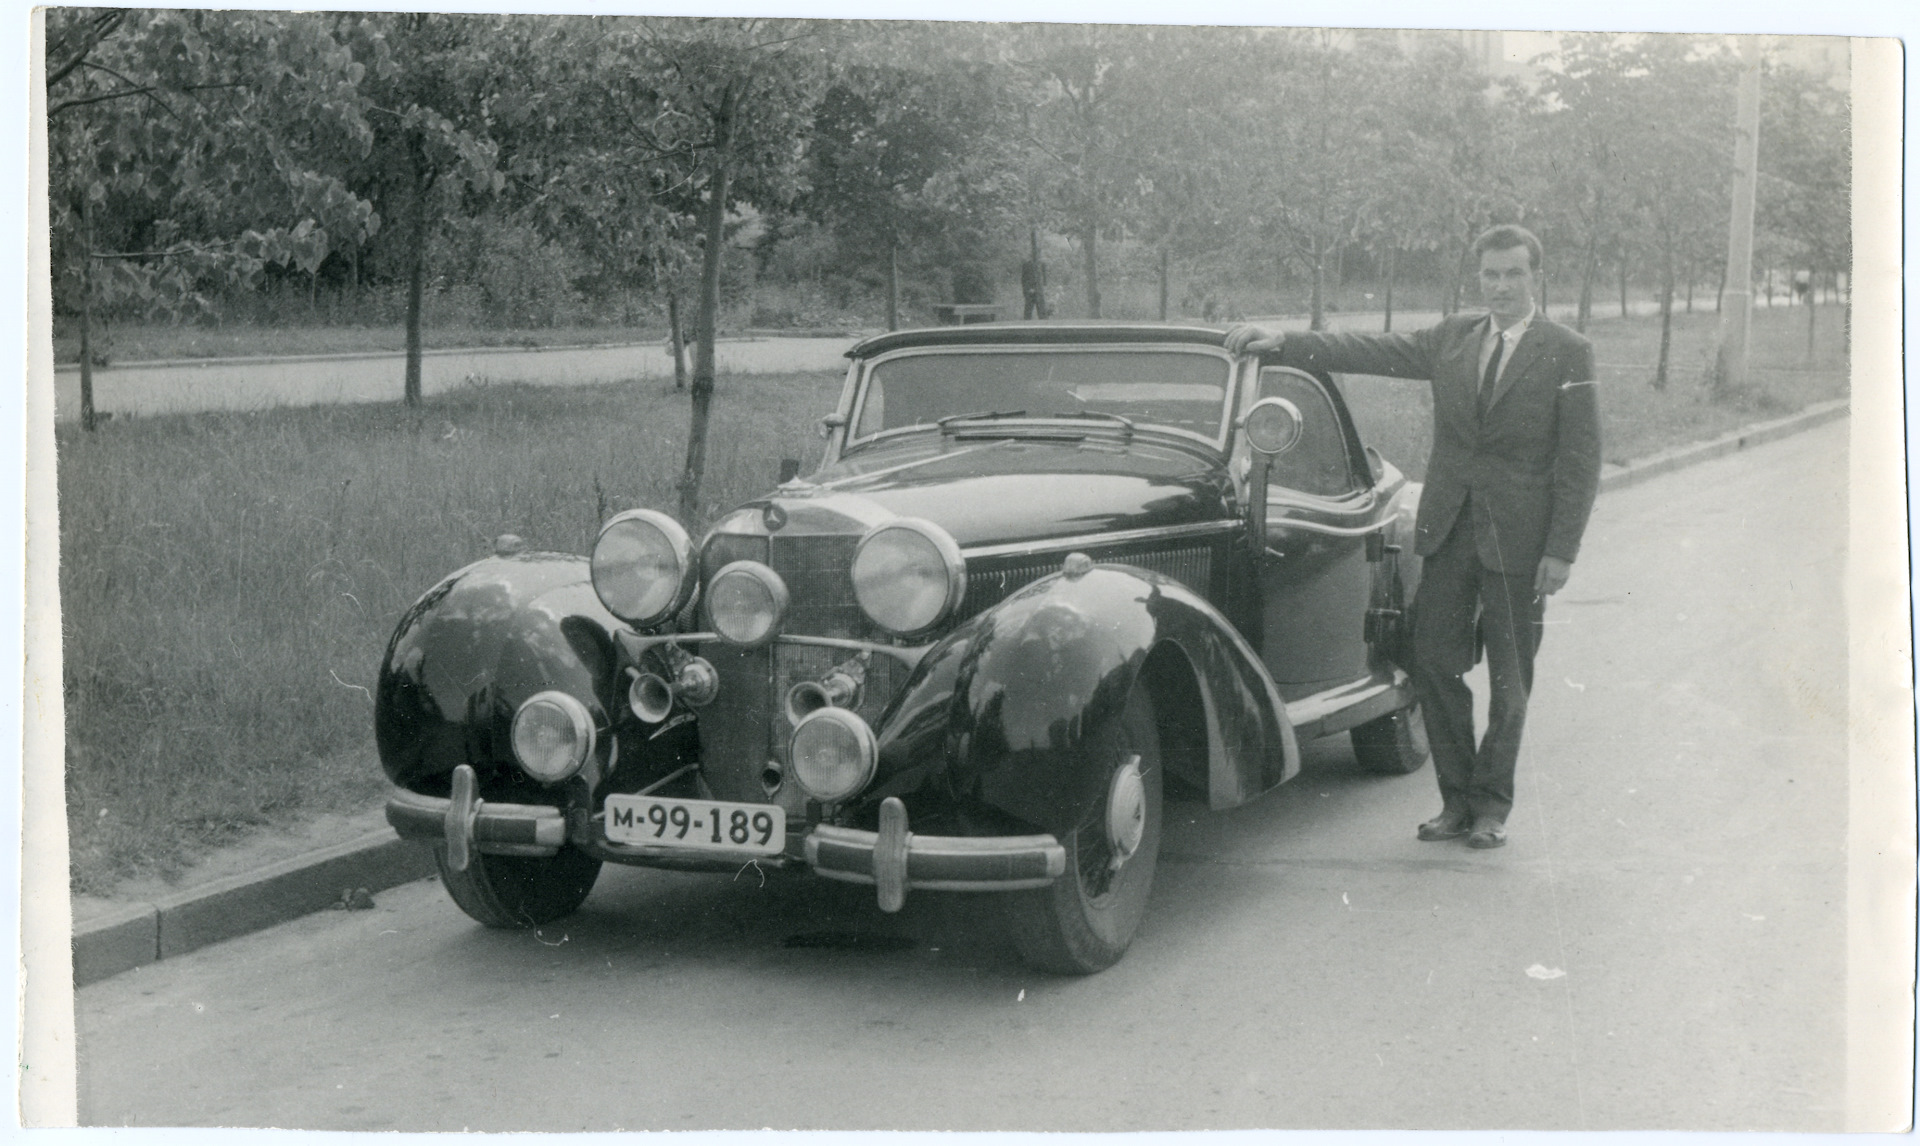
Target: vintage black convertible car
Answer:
pixel 1042 571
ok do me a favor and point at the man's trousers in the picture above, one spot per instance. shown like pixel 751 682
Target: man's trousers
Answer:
pixel 1458 596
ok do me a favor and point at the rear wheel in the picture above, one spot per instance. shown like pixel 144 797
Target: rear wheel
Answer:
pixel 1394 744
pixel 518 892
pixel 1084 921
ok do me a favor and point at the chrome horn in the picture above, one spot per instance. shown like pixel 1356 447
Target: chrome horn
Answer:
pixel 840 688
pixel 694 684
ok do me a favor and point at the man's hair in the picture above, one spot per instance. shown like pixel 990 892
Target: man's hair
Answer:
pixel 1505 237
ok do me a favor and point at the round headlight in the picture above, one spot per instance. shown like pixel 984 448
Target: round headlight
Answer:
pixel 833 754
pixel 642 566
pixel 908 576
pixel 552 736
pixel 746 601
pixel 1273 425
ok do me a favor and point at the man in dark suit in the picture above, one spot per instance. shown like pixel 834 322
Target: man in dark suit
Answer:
pixel 1510 482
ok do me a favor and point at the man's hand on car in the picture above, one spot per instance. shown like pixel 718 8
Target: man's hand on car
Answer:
pixel 1247 338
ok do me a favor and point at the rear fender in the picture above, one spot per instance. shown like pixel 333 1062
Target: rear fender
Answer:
pixel 1003 711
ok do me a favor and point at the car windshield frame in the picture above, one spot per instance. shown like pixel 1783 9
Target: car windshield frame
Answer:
pixel 1095 421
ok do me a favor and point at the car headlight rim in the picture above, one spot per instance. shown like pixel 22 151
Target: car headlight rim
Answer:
pixel 840 731
pixel 934 608
pixel 742 576
pixel 667 592
pixel 553 736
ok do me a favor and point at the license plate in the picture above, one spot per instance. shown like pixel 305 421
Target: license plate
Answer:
pixel 699 825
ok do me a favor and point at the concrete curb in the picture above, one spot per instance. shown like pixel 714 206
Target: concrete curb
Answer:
pixel 145 932
pixel 1633 473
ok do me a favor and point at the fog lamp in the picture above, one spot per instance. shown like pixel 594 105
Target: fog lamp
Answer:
pixel 552 736
pixel 833 754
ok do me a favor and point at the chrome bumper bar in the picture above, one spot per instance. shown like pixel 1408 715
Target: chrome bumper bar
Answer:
pixel 892 859
pixel 496 829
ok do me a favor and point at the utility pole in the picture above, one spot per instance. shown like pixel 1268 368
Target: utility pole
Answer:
pixel 1736 310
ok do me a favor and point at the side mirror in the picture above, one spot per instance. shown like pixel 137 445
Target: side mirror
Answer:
pixel 830 423
pixel 1273 426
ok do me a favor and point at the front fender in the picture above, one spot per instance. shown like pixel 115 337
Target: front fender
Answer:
pixel 473 648
pixel 1002 712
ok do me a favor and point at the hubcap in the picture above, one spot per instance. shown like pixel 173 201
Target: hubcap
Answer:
pixel 1126 811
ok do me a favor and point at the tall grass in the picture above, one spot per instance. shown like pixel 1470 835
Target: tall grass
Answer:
pixel 228 581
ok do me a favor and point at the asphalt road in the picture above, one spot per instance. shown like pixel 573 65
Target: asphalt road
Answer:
pixel 1661 946
pixel 149 388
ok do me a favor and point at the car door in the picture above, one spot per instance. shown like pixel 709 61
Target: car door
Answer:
pixel 1315 580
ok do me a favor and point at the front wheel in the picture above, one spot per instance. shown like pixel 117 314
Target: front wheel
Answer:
pixel 518 892
pixel 1394 744
pixel 1084 921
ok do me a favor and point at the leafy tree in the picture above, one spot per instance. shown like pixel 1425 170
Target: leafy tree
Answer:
pixel 1432 128
pixel 1588 114
pixel 905 156
pixel 1805 186
pixel 1314 189
pixel 707 114
pixel 1681 145
pixel 1081 77
pixel 428 78
pixel 187 150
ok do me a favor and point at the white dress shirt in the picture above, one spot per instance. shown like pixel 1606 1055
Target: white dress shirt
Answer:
pixel 1510 337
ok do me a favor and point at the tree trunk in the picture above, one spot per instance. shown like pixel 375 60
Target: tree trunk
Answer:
pixel 893 283
pixel 1588 273
pixel 1319 319
pixel 416 269
pixel 1813 279
pixel 1089 261
pixel 1040 307
pixel 676 340
pixel 707 319
pixel 1623 286
pixel 87 421
pixel 1163 284
pixel 1393 267
pixel 1666 321
pixel 1690 277
pixel 1720 292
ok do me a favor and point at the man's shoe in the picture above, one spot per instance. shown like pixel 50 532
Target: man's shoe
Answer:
pixel 1445 826
pixel 1488 833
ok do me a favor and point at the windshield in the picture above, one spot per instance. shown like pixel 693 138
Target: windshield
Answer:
pixel 1180 389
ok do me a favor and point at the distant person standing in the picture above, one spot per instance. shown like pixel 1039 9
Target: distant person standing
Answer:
pixel 1510 483
pixel 1033 288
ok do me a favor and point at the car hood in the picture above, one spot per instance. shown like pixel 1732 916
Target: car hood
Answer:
pixel 1013 490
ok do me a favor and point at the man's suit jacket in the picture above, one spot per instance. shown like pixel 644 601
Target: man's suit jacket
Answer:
pixel 1529 468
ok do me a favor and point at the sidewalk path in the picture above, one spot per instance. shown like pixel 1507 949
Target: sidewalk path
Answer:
pixel 261 383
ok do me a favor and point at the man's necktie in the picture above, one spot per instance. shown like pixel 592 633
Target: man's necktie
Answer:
pixel 1491 376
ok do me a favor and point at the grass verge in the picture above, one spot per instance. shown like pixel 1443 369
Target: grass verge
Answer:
pixel 228 581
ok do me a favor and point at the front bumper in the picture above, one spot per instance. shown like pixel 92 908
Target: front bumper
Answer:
pixel 892 859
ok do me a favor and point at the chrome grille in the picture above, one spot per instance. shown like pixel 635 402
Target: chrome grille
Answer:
pixel 1191 566
pixel 819 576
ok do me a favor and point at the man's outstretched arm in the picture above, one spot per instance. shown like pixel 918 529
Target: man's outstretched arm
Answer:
pixel 1393 355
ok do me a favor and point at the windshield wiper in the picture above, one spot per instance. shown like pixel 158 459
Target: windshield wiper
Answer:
pixel 980 416
pixel 1124 421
